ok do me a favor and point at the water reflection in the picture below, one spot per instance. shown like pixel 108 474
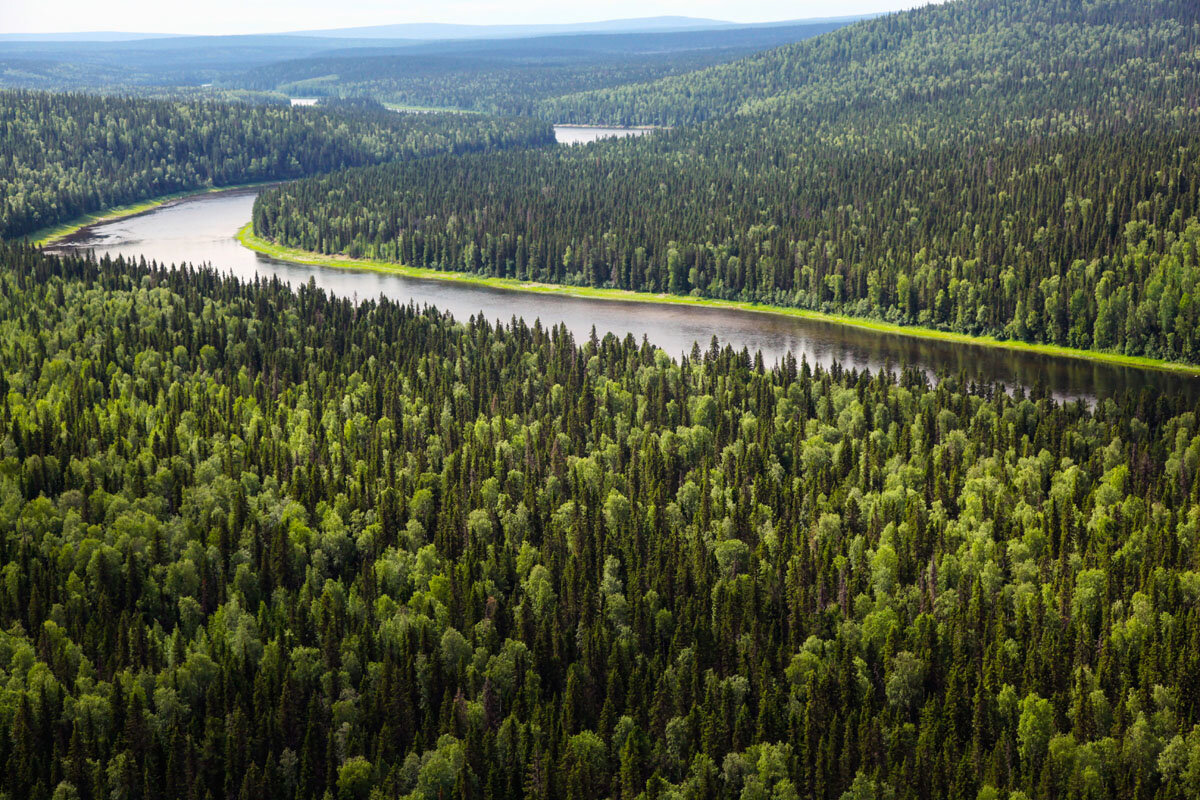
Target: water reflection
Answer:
pixel 582 134
pixel 201 230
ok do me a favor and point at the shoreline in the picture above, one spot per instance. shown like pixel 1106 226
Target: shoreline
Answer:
pixel 611 127
pixel 401 108
pixel 252 241
pixel 55 234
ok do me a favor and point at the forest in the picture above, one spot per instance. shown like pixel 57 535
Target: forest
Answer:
pixel 496 83
pixel 147 65
pixel 502 75
pixel 1057 54
pixel 515 76
pixel 266 543
pixel 1025 170
pixel 262 542
pixel 65 155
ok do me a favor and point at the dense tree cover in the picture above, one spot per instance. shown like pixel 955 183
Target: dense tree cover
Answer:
pixel 154 64
pixel 516 76
pixel 1100 56
pixel 1019 169
pixel 62 156
pixel 474 83
pixel 258 543
pixel 568 63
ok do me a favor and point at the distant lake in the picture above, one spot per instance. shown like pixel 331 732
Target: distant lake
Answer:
pixel 582 134
pixel 564 134
pixel 201 229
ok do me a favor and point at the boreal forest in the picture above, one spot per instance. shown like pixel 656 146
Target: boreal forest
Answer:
pixel 1020 169
pixel 516 77
pixel 264 543
pixel 65 155
pixel 261 540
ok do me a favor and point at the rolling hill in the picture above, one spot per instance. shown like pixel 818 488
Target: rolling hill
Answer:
pixel 1016 169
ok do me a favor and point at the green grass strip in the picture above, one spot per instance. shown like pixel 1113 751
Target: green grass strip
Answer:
pixel 52 234
pixel 249 239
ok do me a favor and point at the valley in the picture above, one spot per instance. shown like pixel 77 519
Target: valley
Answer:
pixel 505 403
pixel 209 229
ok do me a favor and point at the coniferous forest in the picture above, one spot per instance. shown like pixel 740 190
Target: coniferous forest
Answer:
pixel 264 543
pixel 261 542
pixel 527 76
pixel 65 155
pixel 1016 168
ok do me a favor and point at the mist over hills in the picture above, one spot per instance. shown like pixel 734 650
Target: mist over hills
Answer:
pixel 436 31
pixel 440 30
pixel 616 53
pixel 85 36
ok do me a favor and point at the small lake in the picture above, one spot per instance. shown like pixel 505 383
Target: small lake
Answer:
pixel 563 134
pixel 582 134
pixel 201 230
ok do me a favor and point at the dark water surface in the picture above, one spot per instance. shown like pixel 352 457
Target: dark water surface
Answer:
pixel 201 230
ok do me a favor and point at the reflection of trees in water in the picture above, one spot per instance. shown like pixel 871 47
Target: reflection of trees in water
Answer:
pixel 202 229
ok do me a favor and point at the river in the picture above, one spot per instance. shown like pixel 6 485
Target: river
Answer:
pixel 201 230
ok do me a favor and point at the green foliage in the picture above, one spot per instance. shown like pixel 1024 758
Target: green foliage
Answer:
pixel 354 779
pixel 522 76
pixel 1018 168
pixel 263 543
pixel 905 684
pixel 1022 52
pixel 65 155
pixel 1035 727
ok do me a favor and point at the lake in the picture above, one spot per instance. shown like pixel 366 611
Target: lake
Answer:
pixel 582 134
pixel 563 134
pixel 201 230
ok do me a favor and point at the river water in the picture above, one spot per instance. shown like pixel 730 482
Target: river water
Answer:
pixel 201 230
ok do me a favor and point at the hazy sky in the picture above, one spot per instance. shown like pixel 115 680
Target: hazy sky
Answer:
pixel 252 16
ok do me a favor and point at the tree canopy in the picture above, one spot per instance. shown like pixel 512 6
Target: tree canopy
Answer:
pixel 1023 169
pixel 264 543
pixel 65 155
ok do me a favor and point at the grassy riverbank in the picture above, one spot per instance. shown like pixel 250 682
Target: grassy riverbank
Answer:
pixel 249 239
pixel 55 233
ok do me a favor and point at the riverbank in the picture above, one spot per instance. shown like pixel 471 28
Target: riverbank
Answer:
pixel 53 234
pixel 249 239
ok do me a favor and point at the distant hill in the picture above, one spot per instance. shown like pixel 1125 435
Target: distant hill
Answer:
pixel 476 73
pixel 85 36
pixel 435 30
pixel 173 61
pixel 1023 169
pixel 425 31
pixel 511 76
pixel 439 31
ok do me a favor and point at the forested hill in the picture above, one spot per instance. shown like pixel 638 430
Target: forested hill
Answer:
pixel 265 544
pixel 64 155
pixel 514 76
pixel 1023 169
pixel 1095 56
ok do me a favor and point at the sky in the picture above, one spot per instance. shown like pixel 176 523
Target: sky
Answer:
pixel 263 16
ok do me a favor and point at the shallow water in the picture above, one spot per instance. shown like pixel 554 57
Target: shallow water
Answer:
pixel 201 229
